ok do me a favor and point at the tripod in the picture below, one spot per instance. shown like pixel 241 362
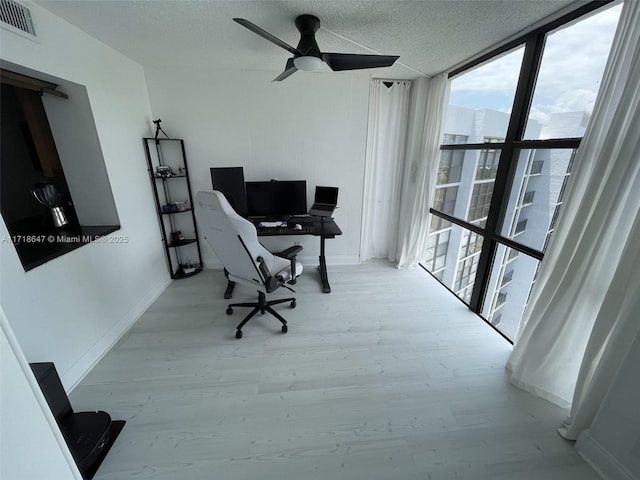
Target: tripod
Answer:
pixel 159 128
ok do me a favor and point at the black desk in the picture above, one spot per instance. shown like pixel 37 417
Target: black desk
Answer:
pixel 323 227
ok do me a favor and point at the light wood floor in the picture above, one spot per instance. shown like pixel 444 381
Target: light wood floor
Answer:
pixel 388 377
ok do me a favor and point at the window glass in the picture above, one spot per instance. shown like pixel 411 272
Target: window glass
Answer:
pixel 465 183
pixel 532 188
pixel 488 164
pixel 570 73
pixel 536 195
pixel 445 199
pixel 452 257
pixel 512 277
pixel 469 256
pixel 438 223
pixel 437 247
pixel 450 166
pixel 480 202
pixel 481 100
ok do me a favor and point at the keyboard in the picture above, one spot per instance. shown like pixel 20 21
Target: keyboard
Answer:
pixel 284 230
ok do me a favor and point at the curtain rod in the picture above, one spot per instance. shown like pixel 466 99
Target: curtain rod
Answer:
pixel 392 79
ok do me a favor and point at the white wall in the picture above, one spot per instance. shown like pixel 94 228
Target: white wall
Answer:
pixel 74 130
pixel 73 308
pixel 612 443
pixel 31 445
pixel 310 127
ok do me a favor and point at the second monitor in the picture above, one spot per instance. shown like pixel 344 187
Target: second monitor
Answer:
pixel 230 181
pixel 276 198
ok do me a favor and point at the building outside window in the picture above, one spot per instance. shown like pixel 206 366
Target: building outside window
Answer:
pixel 480 202
pixel 521 226
pixel 437 247
pixel 536 167
pixel 488 163
pixel 528 197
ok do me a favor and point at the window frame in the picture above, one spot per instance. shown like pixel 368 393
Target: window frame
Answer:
pixel 534 43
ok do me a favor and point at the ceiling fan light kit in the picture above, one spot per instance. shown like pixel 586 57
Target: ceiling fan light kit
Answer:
pixel 307 55
pixel 308 63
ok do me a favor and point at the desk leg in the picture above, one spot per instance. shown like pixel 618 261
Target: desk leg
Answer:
pixel 322 268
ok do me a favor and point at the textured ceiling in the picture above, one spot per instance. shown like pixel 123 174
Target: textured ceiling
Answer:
pixel 430 36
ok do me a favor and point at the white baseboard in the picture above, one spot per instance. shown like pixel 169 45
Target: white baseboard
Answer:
pixel 338 260
pixel 72 377
pixel 600 459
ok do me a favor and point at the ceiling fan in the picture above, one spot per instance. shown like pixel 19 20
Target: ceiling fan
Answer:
pixel 307 55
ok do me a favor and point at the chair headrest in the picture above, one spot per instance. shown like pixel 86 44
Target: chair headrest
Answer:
pixel 215 201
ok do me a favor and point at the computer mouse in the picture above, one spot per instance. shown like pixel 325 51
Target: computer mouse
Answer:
pixel 297 226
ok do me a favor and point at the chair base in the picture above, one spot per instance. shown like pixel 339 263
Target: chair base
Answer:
pixel 262 306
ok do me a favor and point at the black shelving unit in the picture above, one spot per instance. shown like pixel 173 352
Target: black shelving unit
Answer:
pixel 167 165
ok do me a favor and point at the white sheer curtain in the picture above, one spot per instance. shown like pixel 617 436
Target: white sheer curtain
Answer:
pixel 429 101
pixel 386 140
pixel 582 315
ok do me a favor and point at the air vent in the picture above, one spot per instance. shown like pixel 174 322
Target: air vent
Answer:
pixel 17 18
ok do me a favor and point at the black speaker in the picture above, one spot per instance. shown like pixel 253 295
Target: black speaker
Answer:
pixel 89 435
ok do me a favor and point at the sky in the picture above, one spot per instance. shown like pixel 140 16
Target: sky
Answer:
pixel 572 65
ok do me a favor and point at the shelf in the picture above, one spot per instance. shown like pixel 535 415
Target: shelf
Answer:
pixel 181 243
pixel 157 177
pixel 178 211
pixel 53 243
pixel 181 274
pixel 161 154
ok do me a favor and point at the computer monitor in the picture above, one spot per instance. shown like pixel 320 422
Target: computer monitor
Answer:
pixel 276 198
pixel 230 181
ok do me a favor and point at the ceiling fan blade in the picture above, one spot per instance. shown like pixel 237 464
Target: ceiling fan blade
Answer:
pixel 264 34
pixel 289 70
pixel 352 61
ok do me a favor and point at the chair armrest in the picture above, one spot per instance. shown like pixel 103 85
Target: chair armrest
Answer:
pixel 290 252
pixel 271 282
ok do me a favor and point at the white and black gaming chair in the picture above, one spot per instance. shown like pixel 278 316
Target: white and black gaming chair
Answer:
pixel 235 242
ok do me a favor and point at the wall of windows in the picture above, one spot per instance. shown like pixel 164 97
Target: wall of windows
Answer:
pixel 514 122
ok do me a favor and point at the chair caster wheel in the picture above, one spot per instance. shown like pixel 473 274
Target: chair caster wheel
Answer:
pixel 293 304
pixel 285 329
pixel 238 333
pixel 229 310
